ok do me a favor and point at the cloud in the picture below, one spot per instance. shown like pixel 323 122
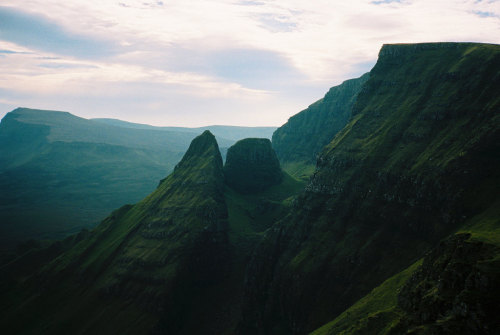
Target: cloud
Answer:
pixel 265 59
pixel 40 33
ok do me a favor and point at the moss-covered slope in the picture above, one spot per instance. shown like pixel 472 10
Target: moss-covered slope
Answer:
pixel 298 142
pixel 173 263
pixel 418 156
pixel 60 173
pixel 152 259
pixel 453 291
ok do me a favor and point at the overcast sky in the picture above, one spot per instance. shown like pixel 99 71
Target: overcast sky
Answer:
pixel 202 62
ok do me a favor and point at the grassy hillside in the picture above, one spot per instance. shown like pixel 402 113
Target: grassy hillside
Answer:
pixel 173 263
pixel 173 241
pixel 397 230
pixel 418 156
pixel 60 173
pixel 298 142
pixel 459 280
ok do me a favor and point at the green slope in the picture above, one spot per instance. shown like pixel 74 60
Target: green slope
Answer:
pixel 153 256
pixel 417 157
pixel 462 271
pixel 60 173
pixel 375 313
pixel 173 263
pixel 299 141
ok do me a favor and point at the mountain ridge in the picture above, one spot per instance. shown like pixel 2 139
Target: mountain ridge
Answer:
pixel 397 177
pixel 396 231
pixel 303 136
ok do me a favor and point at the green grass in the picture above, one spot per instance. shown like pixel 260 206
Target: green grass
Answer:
pixel 373 314
pixel 251 214
pixel 299 140
pixel 403 173
pixel 485 227
pixel 300 170
pixel 60 173
pixel 378 313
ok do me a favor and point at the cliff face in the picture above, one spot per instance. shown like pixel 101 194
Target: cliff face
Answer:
pixel 454 291
pixel 252 166
pixel 298 142
pixel 415 159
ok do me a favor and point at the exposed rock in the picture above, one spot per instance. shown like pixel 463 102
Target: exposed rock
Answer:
pixel 252 166
pixel 454 291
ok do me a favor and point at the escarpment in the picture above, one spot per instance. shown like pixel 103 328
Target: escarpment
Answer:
pixel 252 166
pixel 413 162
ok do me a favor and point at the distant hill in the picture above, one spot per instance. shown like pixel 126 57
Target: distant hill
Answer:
pixel 396 232
pixel 60 172
pixel 174 263
pixel 234 133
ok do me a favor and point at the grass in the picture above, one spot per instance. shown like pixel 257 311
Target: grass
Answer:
pixel 393 182
pixel 251 214
pixel 299 169
pixel 378 313
pixel 298 141
pixel 485 227
pixel 374 313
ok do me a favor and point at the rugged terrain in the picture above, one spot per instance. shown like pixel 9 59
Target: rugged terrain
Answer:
pixel 301 139
pixel 172 263
pixel 418 156
pixel 395 232
pixel 60 173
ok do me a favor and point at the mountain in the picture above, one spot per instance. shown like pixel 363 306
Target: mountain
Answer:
pixel 172 263
pixel 396 232
pixel 252 166
pixel 142 253
pixel 233 133
pixel 417 159
pixel 300 140
pixel 60 173
pixel 453 289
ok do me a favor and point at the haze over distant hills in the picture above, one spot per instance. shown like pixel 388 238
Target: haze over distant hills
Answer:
pixel 234 133
pixel 60 172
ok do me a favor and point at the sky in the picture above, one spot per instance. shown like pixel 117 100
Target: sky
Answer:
pixel 204 62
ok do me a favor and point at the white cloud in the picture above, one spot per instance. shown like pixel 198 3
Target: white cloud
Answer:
pixel 324 40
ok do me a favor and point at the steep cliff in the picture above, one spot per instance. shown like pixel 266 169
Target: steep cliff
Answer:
pixel 298 142
pixel 416 158
pixel 252 166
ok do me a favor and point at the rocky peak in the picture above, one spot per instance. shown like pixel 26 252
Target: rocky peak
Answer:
pixel 252 165
pixel 202 147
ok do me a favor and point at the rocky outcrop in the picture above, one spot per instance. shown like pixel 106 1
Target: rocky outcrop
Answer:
pixel 252 166
pixel 454 291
